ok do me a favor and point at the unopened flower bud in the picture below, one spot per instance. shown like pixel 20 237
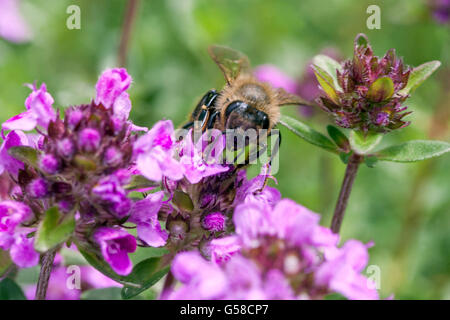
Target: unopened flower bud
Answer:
pixel 49 164
pixel 89 139
pixel 214 222
pixel 66 148
pixel 38 188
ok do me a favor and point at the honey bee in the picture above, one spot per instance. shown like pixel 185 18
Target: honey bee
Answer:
pixel 244 102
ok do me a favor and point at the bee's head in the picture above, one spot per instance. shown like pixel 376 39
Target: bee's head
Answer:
pixel 239 114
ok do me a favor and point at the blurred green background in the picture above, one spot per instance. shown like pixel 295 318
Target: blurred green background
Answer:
pixel 403 208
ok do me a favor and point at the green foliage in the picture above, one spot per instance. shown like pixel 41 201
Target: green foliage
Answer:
pixel 9 290
pixel 339 138
pixel 146 274
pixel 419 75
pixel 327 68
pixel 364 143
pixel 307 133
pixel 25 154
pixel 55 229
pixel 414 150
pixel 381 89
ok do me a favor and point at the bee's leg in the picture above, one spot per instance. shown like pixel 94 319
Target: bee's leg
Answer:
pixel 268 166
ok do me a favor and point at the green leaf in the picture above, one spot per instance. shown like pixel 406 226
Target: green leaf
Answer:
pixel 85 163
pixel 140 182
pixel 420 74
pixel 326 82
pixel 112 293
pixel 146 273
pixel 361 40
pixel 182 201
pixel 5 261
pixel 330 66
pixel 381 89
pixel 56 228
pixel 307 133
pixel 25 154
pixel 414 150
pixel 9 290
pixel 363 144
pixel 339 138
pixel 370 161
pixel 345 156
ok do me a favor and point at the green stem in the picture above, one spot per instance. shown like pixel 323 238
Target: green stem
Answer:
pixel 44 275
pixel 346 188
pixel 126 32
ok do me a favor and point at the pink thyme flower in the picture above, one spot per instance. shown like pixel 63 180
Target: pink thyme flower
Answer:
pixel 145 215
pixel 58 289
pixel 13 26
pixel 196 167
pixel 22 251
pixel 113 196
pixel 250 191
pixel 40 111
pixel 115 244
pixel 284 254
pixel 7 163
pixel 154 153
pixel 13 237
pixel 111 91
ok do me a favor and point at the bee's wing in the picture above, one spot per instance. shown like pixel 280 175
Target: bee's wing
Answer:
pixel 231 62
pixel 286 98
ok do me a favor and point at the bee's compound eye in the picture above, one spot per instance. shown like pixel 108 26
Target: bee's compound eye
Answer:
pixel 265 122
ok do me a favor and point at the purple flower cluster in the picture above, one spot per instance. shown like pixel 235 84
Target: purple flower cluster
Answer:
pixel 83 163
pixel 278 251
pixel 367 95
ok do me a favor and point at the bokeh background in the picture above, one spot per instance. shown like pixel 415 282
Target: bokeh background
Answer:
pixel 403 208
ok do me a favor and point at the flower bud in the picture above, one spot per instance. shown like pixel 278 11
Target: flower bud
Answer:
pixel 89 139
pixel 214 222
pixel 112 157
pixel 38 188
pixel 66 148
pixel 49 164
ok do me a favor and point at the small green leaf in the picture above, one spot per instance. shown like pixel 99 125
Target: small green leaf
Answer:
pixel 381 89
pixel 339 138
pixel 9 290
pixel 419 75
pixel 56 228
pixel 140 182
pixel 414 150
pixel 112 293
pixel 182 201
pixel 344 157
pixel 361 40
pixel 307 133
pixel 330 66
pixel 85 163
pixel 146 273
pixel 363 144
pixel 5 261
pixel 25 154
pixel 326 82
pixel 370 161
